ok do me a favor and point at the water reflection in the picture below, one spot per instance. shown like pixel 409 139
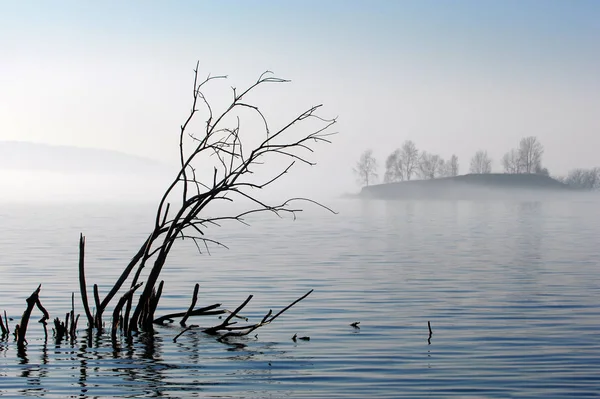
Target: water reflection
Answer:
pixel 527 260
pixel 509 314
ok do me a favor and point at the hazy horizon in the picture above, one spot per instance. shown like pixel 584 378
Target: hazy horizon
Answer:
pixel 453 77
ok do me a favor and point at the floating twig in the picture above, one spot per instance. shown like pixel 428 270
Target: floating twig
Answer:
pixel 296 337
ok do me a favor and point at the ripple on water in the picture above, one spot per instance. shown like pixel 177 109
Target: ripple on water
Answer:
pixel 510 290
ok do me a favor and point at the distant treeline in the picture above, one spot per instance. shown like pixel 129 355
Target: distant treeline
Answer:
pixel 408 162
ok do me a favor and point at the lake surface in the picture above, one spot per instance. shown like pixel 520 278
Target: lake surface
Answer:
pixel 511 288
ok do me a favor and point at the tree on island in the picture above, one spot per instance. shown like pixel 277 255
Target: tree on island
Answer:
pixel 530 154
pixel 431 166
pixel 481 163
pixel 527 158
pixel 406 161
pixel 403 163
pixel 366 169
pixel 453 166
pixel 511 162
pixel 409 156
pixel 393 168
pixel 583 179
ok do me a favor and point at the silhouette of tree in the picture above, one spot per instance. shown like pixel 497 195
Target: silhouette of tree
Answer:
pixel 511 162
pixel 583 179
pixel 452 166
pixel 409 158
pixel 393 168
pixel 218 160
pixel 481 163
pixel 366 168
pixel 530 155
pixel 431 166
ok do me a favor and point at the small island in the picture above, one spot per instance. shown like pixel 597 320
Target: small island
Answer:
pixel 417 174
pixel 468 186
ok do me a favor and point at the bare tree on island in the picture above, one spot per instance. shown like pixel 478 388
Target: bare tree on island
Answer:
pixel 366 168
pixel 583 179
pixel 403 163
pixel 409 158
pixel 431 166
pixel 218 161
pixel 530 154
pixel 481 163
pixel 393 168
pixel 453 166
pixel 525 159
pixel 511 162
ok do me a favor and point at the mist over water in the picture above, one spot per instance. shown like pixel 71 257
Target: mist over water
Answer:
pixel 92 100
pixel 509 287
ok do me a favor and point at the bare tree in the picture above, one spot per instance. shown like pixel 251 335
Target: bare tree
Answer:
pixel 453 166
pixel 583 179
pixel 409 156
pixel 430 165
pixel 222 145
pixel 481 163
pixel 444 168
pixel 393 168
pixel 511 162
pixel 366 168
pixel 530 154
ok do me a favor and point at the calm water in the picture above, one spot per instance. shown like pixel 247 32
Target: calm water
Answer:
pixel 511 289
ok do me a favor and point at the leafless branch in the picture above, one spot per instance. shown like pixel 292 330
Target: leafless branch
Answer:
pixel 216 165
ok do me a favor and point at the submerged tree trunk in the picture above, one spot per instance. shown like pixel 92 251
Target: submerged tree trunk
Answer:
pixel 179 214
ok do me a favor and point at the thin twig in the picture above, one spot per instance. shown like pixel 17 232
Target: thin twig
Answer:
pixel 184 330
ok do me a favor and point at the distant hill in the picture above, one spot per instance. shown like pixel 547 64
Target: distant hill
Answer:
pixel 467 186
pixel 32 172
pixel 18 155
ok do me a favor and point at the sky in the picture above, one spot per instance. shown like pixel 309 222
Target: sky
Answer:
pixel 453 76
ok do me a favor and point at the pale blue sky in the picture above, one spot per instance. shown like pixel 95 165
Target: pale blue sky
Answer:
pixel 454 76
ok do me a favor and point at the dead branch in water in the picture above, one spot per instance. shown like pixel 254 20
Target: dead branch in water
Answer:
pixel 224 145
pixel 236 331
pixel 21 328
pixel 218 161
pixel 191 308
pixel 184 331
pixel 3 329
pixel 205 311
pixel 119 307
pixel 82 284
